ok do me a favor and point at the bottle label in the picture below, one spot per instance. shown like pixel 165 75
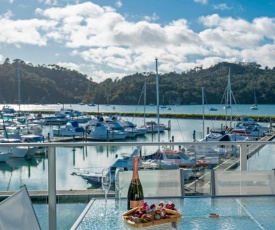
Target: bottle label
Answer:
pixel 136 203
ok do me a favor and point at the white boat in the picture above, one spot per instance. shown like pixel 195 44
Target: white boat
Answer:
pixel 94 177
pixel 178 157
pixel 17 151
pixel 74 115
pixel 34 138
pixel 251 131
pixel 221 135
pixel 71 129
pixel 153 127
pixel 102 133
pixel 6 109
pixel 255 105
pixel 114 124
pixel 55 120
pixel 130 126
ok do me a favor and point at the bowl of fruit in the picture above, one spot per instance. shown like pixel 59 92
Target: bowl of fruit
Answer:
pixel 150 215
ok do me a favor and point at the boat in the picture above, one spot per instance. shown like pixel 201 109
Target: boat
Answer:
pixel 130 126
pixel 100 132
pixel 153 127
pixel 178 157
pixel 124 161
pixel 17 151
pixel 251 123
pixel 35 119
pixel 221 135
pixel 251 131
pixel 6 109
pixel 75 115
pixel 71 129
pixel 55 120
pixel 255 105
pixel 213 109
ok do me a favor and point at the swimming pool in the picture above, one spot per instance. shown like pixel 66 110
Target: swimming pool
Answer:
pixel 235 213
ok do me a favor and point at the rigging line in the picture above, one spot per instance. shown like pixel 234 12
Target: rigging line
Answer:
pixel 208 109
pixel 138 102
pixel 248 213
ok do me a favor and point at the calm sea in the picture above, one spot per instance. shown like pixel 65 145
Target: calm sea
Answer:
pixel 34 172
pixel 238 110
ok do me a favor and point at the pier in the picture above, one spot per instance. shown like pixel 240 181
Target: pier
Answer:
pixel 202 183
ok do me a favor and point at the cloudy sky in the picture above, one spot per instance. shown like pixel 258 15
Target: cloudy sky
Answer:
pixel 114 38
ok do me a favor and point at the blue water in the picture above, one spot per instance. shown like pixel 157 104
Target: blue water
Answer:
pixel 34 174
pixel 238 110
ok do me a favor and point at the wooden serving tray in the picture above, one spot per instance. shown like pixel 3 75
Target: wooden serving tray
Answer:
pixel 174 216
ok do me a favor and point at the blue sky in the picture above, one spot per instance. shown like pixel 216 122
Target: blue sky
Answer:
pixel 114 38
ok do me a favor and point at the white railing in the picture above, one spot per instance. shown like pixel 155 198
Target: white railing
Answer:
pixel 51 146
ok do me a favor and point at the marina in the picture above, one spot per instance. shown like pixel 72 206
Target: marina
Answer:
pixel 73 153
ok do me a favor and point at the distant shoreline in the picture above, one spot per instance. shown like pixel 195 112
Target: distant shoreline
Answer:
pixel 174 116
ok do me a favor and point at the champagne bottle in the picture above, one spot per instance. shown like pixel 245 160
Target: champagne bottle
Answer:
pixel 135 192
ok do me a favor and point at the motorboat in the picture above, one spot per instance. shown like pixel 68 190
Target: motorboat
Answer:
pixel 153 127
pixel 6 109
pixel 94 177
pixel 100 132
pixel 178 157
pixel 71 129
pixel 254 107
pixel 55 120
pixel 252 131
pixel 130 126
pixel 17 151
pixel 125 162
pixel 221 135
pixel 75 115
pixel 114 125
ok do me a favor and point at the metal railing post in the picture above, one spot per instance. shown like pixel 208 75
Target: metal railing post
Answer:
pixel 212 183
pixel 52 187
pixel 243 157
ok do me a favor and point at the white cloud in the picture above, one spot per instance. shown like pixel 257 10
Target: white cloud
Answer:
pixel 108 45
pixel 69 65
pixel 152 18
pixel 201 1
pixel 222 6
pixel 118 4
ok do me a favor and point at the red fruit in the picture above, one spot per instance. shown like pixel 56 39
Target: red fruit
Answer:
pixel 143 216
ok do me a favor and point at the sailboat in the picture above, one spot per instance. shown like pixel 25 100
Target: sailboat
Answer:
pixel 255 105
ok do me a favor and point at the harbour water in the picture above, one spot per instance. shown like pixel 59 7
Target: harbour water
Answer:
pixel 34 172
pixel 237 109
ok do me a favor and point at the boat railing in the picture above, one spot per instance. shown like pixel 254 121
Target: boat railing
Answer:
pixel 218 180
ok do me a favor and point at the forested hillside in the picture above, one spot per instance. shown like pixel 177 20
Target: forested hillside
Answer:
pixel 55 84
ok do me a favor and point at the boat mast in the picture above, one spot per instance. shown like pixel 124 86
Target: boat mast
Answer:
pixel 144 99
pixel 157 90
pixel 19 93
pixel 202 93
pixel 230 98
